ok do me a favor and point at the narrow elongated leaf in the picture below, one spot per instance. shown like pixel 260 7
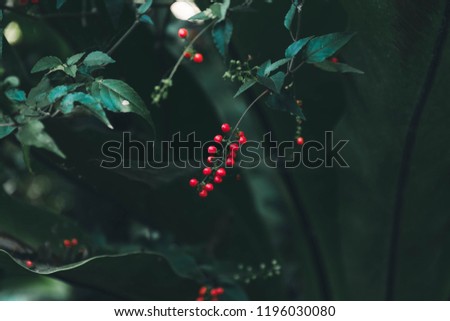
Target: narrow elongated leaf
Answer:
pixel 146 19
pixel 145 7
pixel 283 102
pixel 202 16
pixel 295 47
pixel 98 59
pixel 222 33
pixel 277 64
pixel 46 63
pixel 337 67
pixel 75 58
pixel 323 47
pixel 117 96
pixel 33 134
pixel 262 71
pixel 290 15
pixel 247 85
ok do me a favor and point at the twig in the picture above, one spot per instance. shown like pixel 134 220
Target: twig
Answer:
pixel 125 36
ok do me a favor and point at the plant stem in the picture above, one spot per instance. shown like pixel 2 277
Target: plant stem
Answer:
pixel 122 39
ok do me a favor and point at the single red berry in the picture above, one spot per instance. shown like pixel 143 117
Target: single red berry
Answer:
pixel 217 179
pixel 202 291
pixel 29 264
pixel 212 149
pixel 226 128
pixel 334 60
pixel 67 243
pixel 198 58
pixel 241 133
pixel 218 138
pixel 213 292
pixel 221 172
pixel 300 141
pixel 220 291
pixel 203 194
pixel 234 147
pixel 182 33
pixel 242 140
pixel 209 187
pixel 200 298
pixel 207 171
pixel 230 162
pixel 74 242
pixel 187 55
pixel 210 159
pixel 193 182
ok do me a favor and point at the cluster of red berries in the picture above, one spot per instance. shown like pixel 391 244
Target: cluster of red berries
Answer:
pixel 25 2
pixel 70 243
pixel 216 173
pixel 197 57
pixel 213 294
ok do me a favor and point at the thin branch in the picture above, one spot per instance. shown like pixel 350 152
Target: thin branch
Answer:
pixel 122 39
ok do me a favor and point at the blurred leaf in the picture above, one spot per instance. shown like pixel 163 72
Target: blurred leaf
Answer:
pixel 276 65
pixel 283 102
pixel 16 95
pixel 323 47
pixel 295 48
pixel 46 63
pixel 145 7
pixel 146 19
pixel 337 67
pixel 60 3
pixel 97 59
pixel 222 32
pixel 71 70
pixel 247 85
pixel 262 71
pixel 6 130
pixel 75 58
pixel 33 134
pixel 290 15
pixel 117 96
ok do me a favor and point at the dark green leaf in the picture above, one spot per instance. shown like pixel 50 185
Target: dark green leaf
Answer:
pixel 337 67
pixel 72 60
pixel 16 95
pixel 60 3
pixel 295 47
pixel 222 32
pixel 219 10
pixel 277 64
pixel 290 15
pixel 323 47
pixel 5 130
pixel 97 59
pixel 274 83
pixel 71 70
pixel 202 16
pixel 283 102
pixel 145 7
pixel 247 85
pixel 117 96
pixel 146 19
pixel 262 71
pixel 46 63
pixel 57 92
pixel 33 134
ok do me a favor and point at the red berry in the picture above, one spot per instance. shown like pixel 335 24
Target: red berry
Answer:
pixel 193 182
pixel 212 149
pixel 221 172
pixel 220 291
pixel 187 55
pixel 213 292
pixel 29 264
pixel 202 291
pixel 74 242
pixel 198 58
pixel 203 194
pixel 234 147
pixel 210 159
pixel 242 140
pixel 232 154
pixel 67 243
pixel 300 141
pixel 217 179
pixel 182 33
pixel 200 298
pixel 241 133
pixel 209 187
pixel 334 60
pixel 218 138
pixel 207 171
pixel 230 162
pixel 226 128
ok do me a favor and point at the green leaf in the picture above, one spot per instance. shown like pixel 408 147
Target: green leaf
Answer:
pixel 16 95
pixel 72 60
pixel 33 134
pixel 222 32
pixel 97 59
pixel 117 96
pixel 5 130
pixel 145 7
pixel 295 47
pixel 274 83
pixel 38 95
pixel 46 63
pixel 247 85
pixel 290 15
pixel 68 104
pixel 71 70
pixel 146 19
pixel 323 47
pixel 337 67
pixel 60 3
pixel 283 102
pixel 277 64
pixel 202 16
pixel 262 71
pixel 57 92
